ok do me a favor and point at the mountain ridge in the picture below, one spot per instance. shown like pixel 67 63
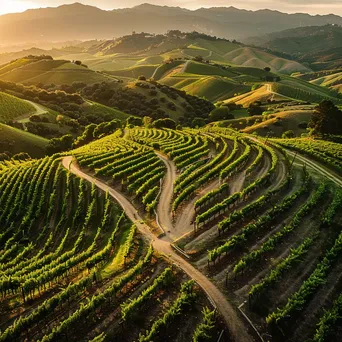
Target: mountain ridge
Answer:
pixel 73 22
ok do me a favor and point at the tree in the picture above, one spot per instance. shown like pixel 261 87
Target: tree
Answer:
pixel 255 109
pixel 164 123
pixel 198 58
pixel 106 128
pixel 221 113
pixel 86 137
pixel 268 69
pixel 326 119
pixel 132 120
pixel 198 122
pixel 142 78
pixel 56 145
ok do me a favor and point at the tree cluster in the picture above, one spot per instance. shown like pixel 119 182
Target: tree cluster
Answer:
pixel 326 119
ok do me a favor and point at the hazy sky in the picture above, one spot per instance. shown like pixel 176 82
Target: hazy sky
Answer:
pixel 290 6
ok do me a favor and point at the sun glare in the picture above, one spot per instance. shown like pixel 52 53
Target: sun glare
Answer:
pixel 12 6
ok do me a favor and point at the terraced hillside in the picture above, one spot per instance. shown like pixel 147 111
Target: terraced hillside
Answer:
pixel 83 234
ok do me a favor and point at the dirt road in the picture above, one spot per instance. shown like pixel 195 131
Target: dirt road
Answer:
pixel 164 204
pixel 237 327
pixel 39 110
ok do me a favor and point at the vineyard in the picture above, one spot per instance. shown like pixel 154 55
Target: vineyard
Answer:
pixel 179 235
pixel 12 107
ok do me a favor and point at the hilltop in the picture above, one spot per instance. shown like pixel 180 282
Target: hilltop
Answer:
pixel 73 22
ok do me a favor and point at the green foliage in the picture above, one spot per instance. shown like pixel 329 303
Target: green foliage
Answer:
pixel 164 123
pixel 203 330
pixel 326 119
pixel 57 145
pixel 221 113
pixel 186 298
pixel 288 134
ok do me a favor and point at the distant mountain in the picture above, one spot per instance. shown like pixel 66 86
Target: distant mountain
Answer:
pixel 319 46
pixel 81 22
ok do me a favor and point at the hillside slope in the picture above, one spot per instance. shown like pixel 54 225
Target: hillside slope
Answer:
pixel 16 141
pixel 318 46
pixel 45 70
pixel 12 107
pixel 177 45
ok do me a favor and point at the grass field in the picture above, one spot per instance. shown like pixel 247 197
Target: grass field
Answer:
pixel 251 57
pixel 192 67
pixel 15 141
pixel 105 112
pixel 214 88
pixel 136 71
pixel 281 122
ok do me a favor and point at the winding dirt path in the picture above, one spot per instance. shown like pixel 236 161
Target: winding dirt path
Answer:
pixel 236 326
pixel 38 110
pixel 164 204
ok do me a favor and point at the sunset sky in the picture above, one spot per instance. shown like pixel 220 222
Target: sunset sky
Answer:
pixel 290 6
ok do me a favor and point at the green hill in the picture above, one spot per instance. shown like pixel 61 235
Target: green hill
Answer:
pixel 215 88
pixel 192 67
pixel 15 141
pixel 251 57
pixel 281 122
pixel 305 91
pixel 177 45
pixel 135 71
pixel 105 112
pixel 48 71
pixel 12 107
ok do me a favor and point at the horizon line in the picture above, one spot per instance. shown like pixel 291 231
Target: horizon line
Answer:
pixel 169 6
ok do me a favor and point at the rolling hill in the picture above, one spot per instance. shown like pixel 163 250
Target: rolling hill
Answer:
pixel 281 122
pixel 320 47
pixel 154 49
pixel 326 78
pixel 34 70
pixel 15 141
pixel 288 89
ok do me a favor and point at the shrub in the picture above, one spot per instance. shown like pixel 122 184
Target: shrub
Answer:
pixel 288 134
